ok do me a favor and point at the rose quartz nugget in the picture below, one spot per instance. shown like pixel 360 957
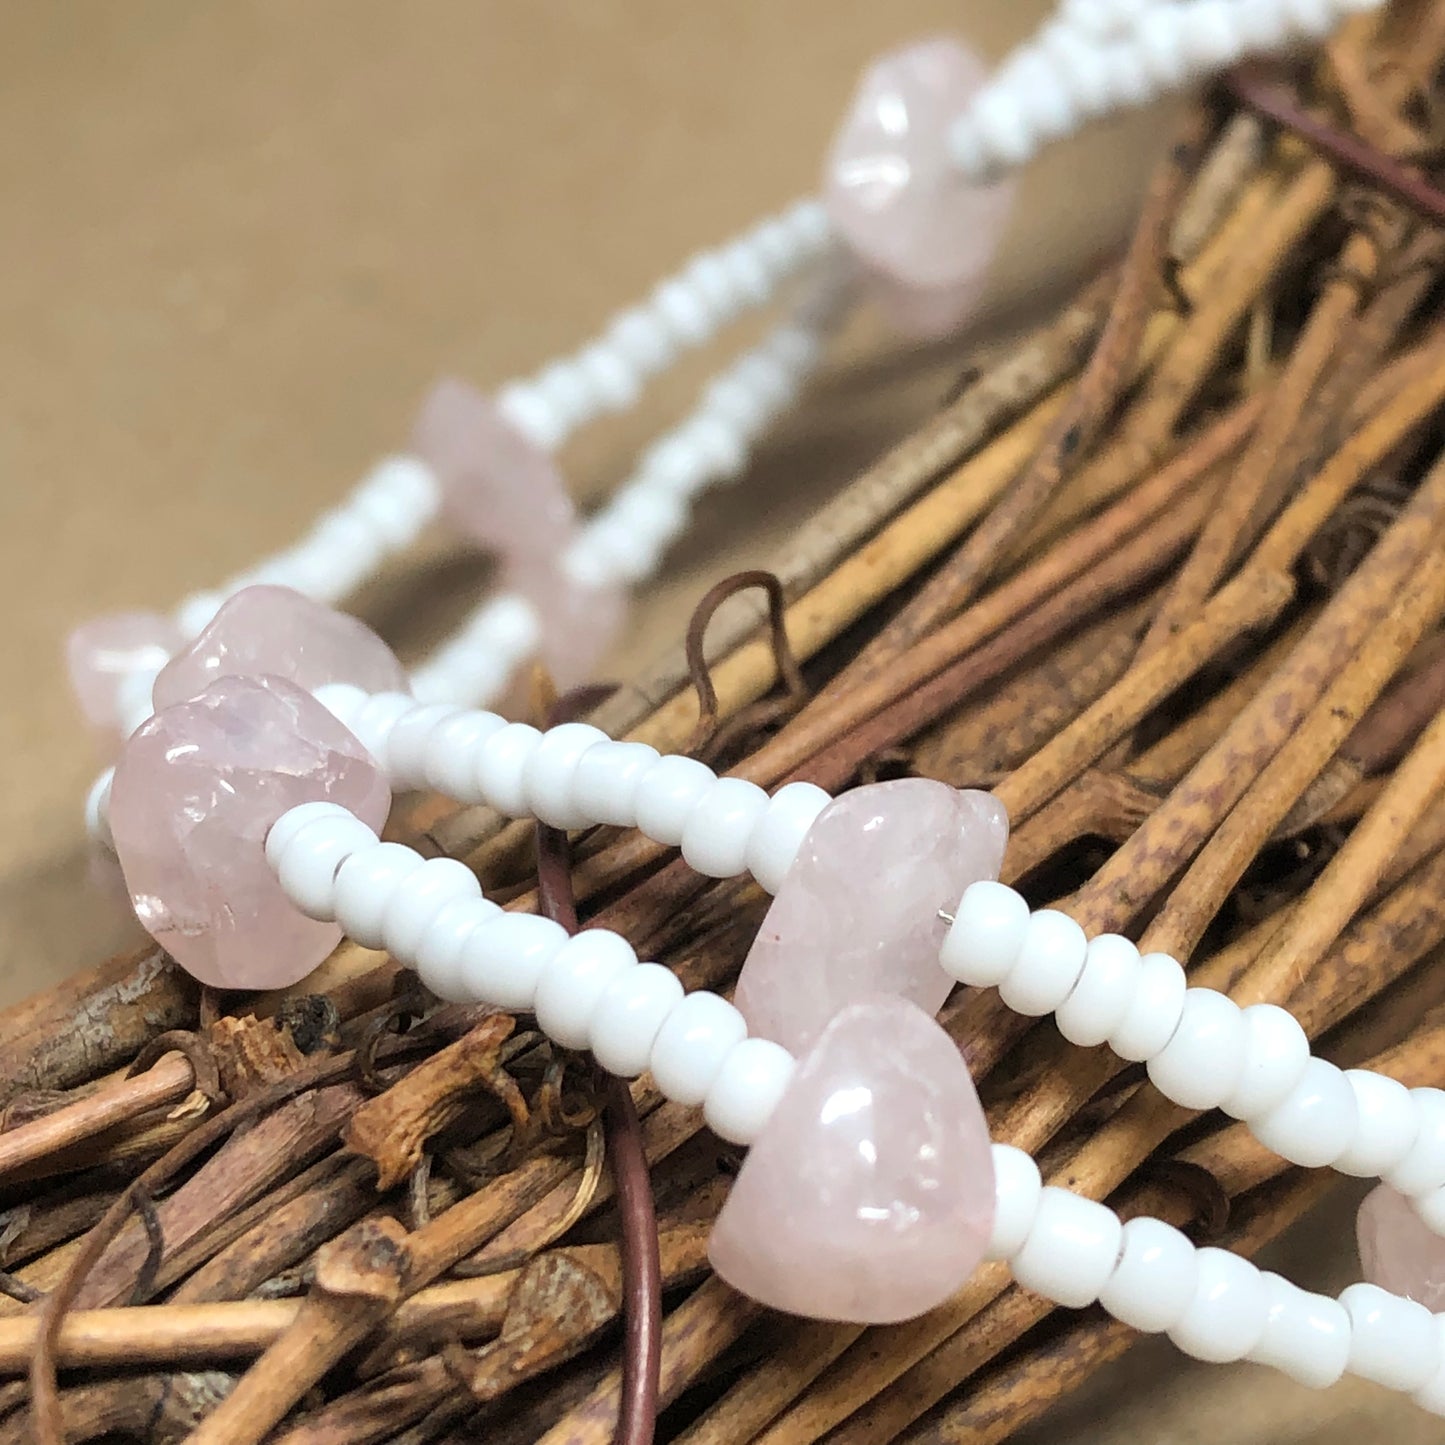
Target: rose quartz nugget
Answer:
pixel 196 790
pixel 104 651
pixel 858 911
pixel 893 193
pixel 869 1195
pixel 499 488
pixel 578 624
pixel 275 632
pixel 921 313
pixel 1398 1250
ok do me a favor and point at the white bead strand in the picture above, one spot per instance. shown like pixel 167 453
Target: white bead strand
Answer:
pixel 1108 56
pixel 625 541
pixel 1201 1049
pixel 589 990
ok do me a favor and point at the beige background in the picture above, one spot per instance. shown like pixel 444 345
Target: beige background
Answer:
pixel 237 241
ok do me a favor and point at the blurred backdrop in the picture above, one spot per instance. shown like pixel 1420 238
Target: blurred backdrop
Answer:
pixel 238 241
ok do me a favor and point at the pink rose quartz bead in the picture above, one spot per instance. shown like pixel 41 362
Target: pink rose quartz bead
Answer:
pixel 275 632
pixel 104 651
pixel 869 1195
pixel 1398 1251
pixel 858 911
pixel 578 624
pixel 921 313
pixel 893 193
pixel 498 487
pixel 196 790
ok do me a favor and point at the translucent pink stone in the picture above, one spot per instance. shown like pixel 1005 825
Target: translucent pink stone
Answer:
pixel 858 911
pixel 196 790
pixel 578 624
pixel 893 193
pixel 275 632
pixel 870 1195
pixel 104 651
pixel 924 313
pixel 498 487
pixel 1398 1251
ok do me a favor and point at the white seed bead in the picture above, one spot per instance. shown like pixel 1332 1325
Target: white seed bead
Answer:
pixel 779 833
pixel 502 961
pixel 1423 1168
pixel 307 864
pixel 724 451
pixel 1307 1336
pixel 731 398
pixel 1071 1250
pixel 97 810
pixel 1392 1340
pixel 1431 1210
pixel 608 776
pixel 397 500
pixel 643 338
pixel 691 1046
pixel 667 795
pixel 613 380
pixel 292 821
pixel 709 277
pixel 568 388
pixel 547 777
pixel 439 953
pixel 611 550
pixel 411 741
pixel 453 752
pixel 365 885
pixel 684 311
pixel 373 723
pixel 436 883
pixel 1316 1123
pixel 1431 1396
pixel 1017 1188
pixel 1387 1129
pixel 748 275
pixel 1154 1283
pixel 810 222
pixel 500 767
pixel 572 984
pixel 134 699
pixel 776 246
pixel 1155 1012
pixel 986 937
pixel 1276 1054
pixel 742 1097
pixel 1200 1066
pixel 196 612
pixel 533 413
pixel 1225 1320
pixel 629 1015
pixel 1103 993
pixel 342 700
pixel 715 836
pixel 1050 962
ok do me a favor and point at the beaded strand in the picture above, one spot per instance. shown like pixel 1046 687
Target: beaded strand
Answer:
pixel 591 991
pixel 1201 1049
